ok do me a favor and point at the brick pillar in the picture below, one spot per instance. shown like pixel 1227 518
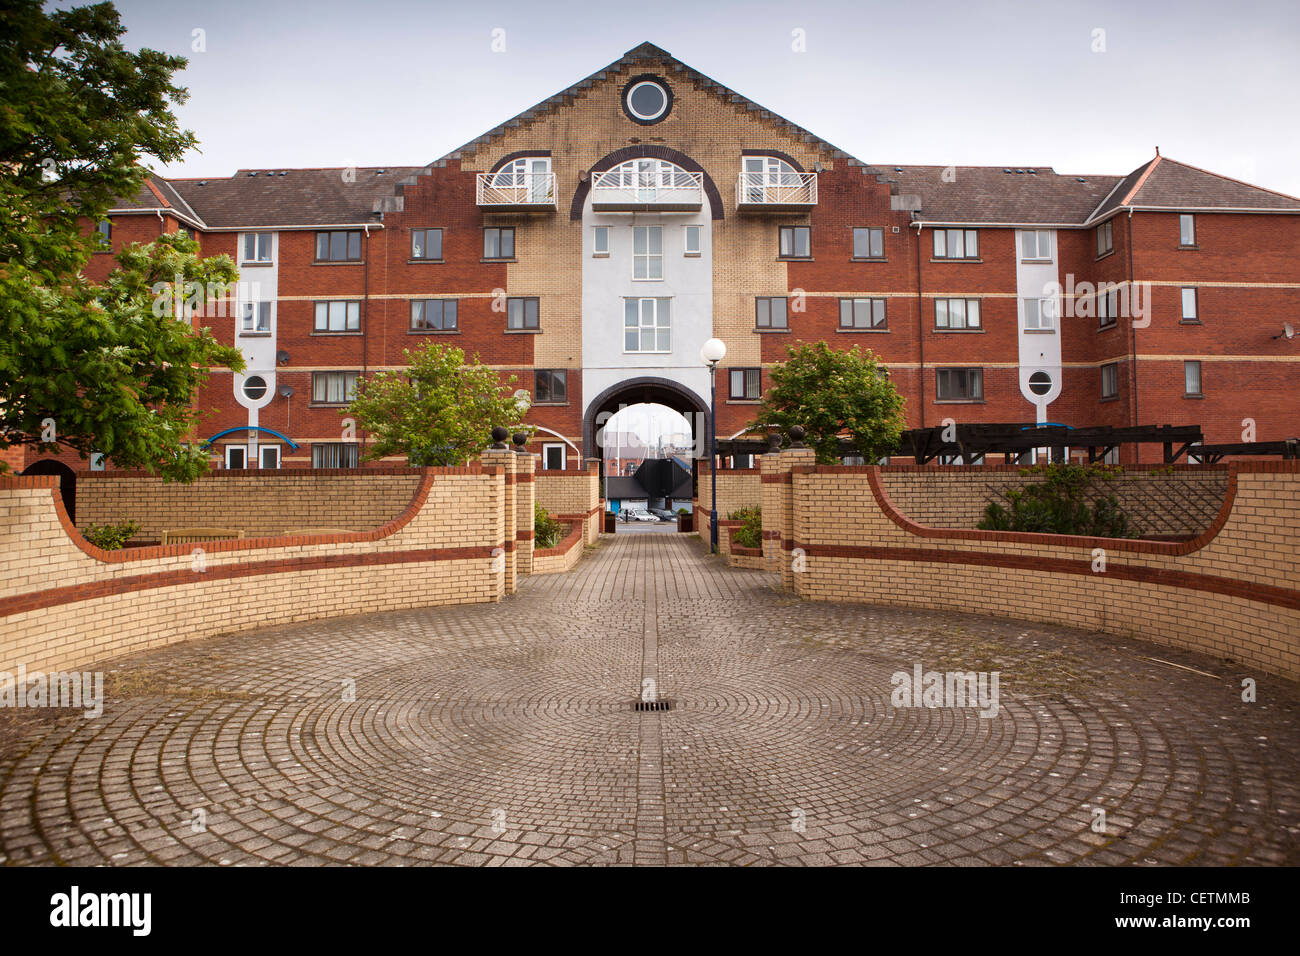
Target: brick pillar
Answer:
pixel 504 459
pixel 787 461
pixel 525 496
pixel 592 524
pixel 704 502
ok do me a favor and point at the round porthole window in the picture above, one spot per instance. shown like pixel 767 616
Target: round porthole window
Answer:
pixel 647 99
pixel 1040 383
pixel 254 387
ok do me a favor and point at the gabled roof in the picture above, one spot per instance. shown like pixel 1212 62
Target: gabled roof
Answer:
pixel 1009 195
pixel 1168 184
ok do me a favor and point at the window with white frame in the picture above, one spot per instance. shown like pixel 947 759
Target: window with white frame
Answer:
pixel 1040 315
pixel 600 241
pixel 1036 245
pixel 956 244
pixel 553 457
pixel 236 456
pixel 1187 230
pixel 647 252
pixel 1189 305
pixel 692 239
pixel 257 247
pixel 256 318
pixel 956 314
pixel 269 455
pixel 647 325
pixel 333 388
pixel 338 316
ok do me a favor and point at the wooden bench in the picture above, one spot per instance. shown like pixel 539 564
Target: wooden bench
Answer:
pixel 191 535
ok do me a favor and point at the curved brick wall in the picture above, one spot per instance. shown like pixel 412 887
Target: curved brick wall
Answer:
pixel 1230 592
pixel 64 602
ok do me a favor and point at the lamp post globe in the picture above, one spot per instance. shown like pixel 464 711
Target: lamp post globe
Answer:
pixel 713 351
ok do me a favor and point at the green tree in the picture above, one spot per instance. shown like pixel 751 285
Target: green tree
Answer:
pixel 93 367
pixel 439 410
pixel 108 368
pixel 831 393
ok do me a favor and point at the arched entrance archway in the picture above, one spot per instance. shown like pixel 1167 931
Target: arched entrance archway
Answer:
pixel 643 390
pixel 67 482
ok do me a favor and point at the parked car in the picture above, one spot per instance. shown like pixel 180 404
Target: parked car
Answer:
pixel 663 514
pixel 637 514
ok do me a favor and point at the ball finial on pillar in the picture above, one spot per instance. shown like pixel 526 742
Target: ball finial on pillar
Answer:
pixel 796 436
pixel 499 436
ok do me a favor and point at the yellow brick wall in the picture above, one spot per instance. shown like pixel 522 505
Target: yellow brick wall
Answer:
pixel 463 510
pixel 1258 544
pixel 257 502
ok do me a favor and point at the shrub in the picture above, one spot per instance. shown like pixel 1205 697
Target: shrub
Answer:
pixel 110 537
pixel 750 532
pixel 547 531
pixel 1068 501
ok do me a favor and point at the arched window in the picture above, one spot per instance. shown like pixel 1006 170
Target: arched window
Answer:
pixel 648 177
pixel 763 172
pixel 527 178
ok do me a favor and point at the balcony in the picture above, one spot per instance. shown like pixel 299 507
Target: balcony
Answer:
pixel 776 192
pixel 647 186
pixel 517 192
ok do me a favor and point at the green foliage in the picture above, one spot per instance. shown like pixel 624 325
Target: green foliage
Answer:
pixel 438 411
pixel 92 367
pixel 750 532
pixel 547 531
pixel 77 112
pixel 106 368
pixel 831 392
pixel 1070 500
pixel 111 537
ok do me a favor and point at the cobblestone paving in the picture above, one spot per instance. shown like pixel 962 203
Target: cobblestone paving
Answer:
pixel 505 735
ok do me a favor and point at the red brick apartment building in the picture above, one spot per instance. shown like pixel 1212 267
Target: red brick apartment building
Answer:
pixel 590 245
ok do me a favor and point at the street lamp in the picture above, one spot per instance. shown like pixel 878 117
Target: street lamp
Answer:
pixel 711 353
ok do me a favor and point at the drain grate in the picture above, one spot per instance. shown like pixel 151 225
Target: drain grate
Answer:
pixel 652 705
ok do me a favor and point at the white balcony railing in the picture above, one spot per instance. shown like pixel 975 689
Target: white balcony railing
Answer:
pixel 516 189
pixel 786 188
pixel 668 188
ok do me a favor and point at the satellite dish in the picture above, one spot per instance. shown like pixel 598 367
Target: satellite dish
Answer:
pixel 1288 331
pixel 523 400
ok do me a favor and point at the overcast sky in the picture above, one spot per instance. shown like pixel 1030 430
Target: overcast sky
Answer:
pixel 401 82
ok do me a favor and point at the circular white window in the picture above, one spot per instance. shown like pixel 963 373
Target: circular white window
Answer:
pixel 647 101
pixel 254 387
pixel 1040 383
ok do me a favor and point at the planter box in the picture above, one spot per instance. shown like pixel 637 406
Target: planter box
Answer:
pixel 686 522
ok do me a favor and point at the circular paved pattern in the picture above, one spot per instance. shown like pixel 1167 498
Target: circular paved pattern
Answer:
pixel 505 735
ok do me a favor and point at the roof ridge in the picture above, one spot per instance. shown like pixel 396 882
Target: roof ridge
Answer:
pixel 1150 167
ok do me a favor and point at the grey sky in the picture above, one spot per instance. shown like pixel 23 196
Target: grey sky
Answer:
pixel 396 82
